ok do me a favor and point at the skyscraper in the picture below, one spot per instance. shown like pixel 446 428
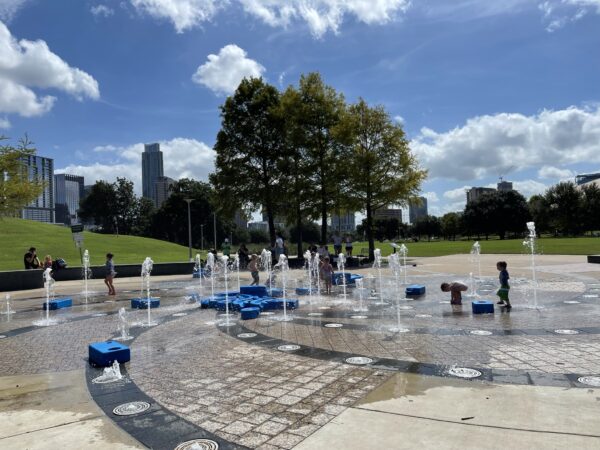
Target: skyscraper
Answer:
pixel 417 210
pixel 42 208
pixel 68 192
pixel 162 190
pixel 152 170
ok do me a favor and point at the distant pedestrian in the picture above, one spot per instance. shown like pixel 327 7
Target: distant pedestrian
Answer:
pixel 110 274
pixel 48 263
pixel 455 288
pixel 323 251
pixel 327 274
pixel 253 268
pixel 31 260
pixel 279 246
pixel 226 247
pixel 348 246
pixel 243 255
pixel 337 244
pixel 504 286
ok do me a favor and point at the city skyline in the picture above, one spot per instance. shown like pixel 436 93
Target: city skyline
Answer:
pixel 476 102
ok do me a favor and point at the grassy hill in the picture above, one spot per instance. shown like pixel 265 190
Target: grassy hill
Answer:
pixel 17 235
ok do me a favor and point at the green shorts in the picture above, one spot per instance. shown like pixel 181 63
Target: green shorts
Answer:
pixel 503 293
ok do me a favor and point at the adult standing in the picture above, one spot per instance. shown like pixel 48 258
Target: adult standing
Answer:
pixel 31 260
pixel 337 244
pixel 226 247
pixel 348 246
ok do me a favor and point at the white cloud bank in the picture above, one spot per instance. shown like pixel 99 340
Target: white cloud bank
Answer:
pixel 559 13
pixel 8 8
pixel 493 145
pixel 30 64
pixel 102 11
pixel 182 158
pixel 320 16
pixel 223 72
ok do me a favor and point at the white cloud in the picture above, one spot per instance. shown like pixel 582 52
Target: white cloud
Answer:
pixel 8 8
pixel 321 16
pixel 182 158
pixel 559 13
pixel 183 14
pixel 554 173
pixel 222 73
pixel 493 145
pixel 527 188
pixel 4 124
pixel 102 10
pixel 431 197
pixel 30 64
pixel 399 120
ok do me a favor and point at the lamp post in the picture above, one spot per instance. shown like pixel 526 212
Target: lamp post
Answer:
pixel 189 201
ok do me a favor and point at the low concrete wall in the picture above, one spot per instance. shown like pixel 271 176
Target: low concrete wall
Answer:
pixel 594 259
pixel 19 280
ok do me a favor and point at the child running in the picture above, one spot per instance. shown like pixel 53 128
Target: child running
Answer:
pixel 504 286
pixel 253 268
pixel 110 274
pixel 455 288
pixel 327 275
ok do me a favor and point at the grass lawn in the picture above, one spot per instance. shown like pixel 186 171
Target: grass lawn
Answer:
pixel 17 235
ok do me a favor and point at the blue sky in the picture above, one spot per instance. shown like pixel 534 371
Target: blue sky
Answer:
pixel 482 89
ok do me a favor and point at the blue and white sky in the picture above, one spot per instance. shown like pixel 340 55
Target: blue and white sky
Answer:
pixel 483 88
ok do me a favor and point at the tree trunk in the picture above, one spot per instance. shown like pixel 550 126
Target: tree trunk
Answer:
pixel 323 218
pixel 299 228
pixel 369 231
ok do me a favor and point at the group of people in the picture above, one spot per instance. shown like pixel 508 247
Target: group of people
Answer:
pixel 456 288
pixel 32 261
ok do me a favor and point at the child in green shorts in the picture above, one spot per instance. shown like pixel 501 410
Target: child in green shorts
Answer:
pixel 504 286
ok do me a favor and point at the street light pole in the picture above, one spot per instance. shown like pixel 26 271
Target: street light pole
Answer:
pixel 189 201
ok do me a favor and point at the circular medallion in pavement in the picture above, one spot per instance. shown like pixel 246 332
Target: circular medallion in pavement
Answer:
pixel 179 314
pixel 333 325
pixel 324 307
pixel 590 295
pixel 399 330
pixel 98 314
pixel 315 314
pixel 464 372
pixel 566 331
pixel 480 332
pixel 359 360
pixel 590 381
pixel 444 302
pixel 359 317
pixel 2 336
pixel 571 302
pixel 198 444
pixel 246 335
pixel 288 348
pixel 128 409
pixel 423 316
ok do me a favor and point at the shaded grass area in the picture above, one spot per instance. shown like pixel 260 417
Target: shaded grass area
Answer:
pixel 17 235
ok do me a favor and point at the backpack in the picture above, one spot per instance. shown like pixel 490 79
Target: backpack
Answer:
pixel 61 263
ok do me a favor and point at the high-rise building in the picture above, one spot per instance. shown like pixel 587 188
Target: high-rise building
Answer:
pixel 505 185
pixel 42 208
pixel 345 222
pixel 475 192
pixel 417 210
pixel 388 213
pixel 162 190
pixel 152 170
pixel 240 219
pixel 586 179
pixel 68 192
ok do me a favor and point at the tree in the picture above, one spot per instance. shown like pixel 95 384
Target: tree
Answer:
pixel 380 169
pixel 126 207
pixel 540 213
pixel 17 189
pixel 451 225
pixel 318 111
pixel 591 207
pixel 250 151
pixel 144 216
pixel 99 206
pixel 497 212
pixel 429 226
pixel 565 202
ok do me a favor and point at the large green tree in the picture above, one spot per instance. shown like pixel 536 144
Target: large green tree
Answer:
pixel 99 206
pixel 17 188
pixel 565 201
pixel 498 212
pixel 451 224
pixel 250 151
pixel 380 169
pixel 591 207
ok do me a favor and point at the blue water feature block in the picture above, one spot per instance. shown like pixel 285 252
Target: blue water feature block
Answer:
pixel 339 276
pixel 302 291
pixel 276 292
pixel 483 307
pixel 227 294
pixel 415 289
pixel 220 305
pixel 205 303
pixel 250 313
pixel 257 291
pixel 105 353
pixel 198 273
pixel 59 303
pixel 142 303
pixel 354 277
pixel 289 303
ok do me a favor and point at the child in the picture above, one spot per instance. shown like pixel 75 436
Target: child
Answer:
pixel 504 286
pixel 455 288
pixel 327 274
pixel 253 268
pixel 110 274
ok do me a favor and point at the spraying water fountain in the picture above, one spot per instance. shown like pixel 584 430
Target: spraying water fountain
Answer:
pixel 210 263
pixel 341 263
pixel 49 287
pixel 7 311
pixel 308 263
pixel 403 252
pixel 315 267
pixel 147 266
pixel 235 265
pixel 476 258
pixel 377 266
pixel 265 262
pixel 87 274
pixel 396 268
pixel 362 293
pixel 198 270
pixel 529 242
pixel 284 268
pixel 124 326
pixel 224 261
pixel 110 374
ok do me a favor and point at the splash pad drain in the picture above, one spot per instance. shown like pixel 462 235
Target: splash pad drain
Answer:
pixel 246 335
pixel 288 348
pixel 128 409
pixel 359 317
pixel 333 325
pixel 423 316
pixel 590 381
pixel 481 332
pixel 464 372
pixel 359 360
pixel 566 331
pixel 179 314
pixel 315 314
pixel 198 444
